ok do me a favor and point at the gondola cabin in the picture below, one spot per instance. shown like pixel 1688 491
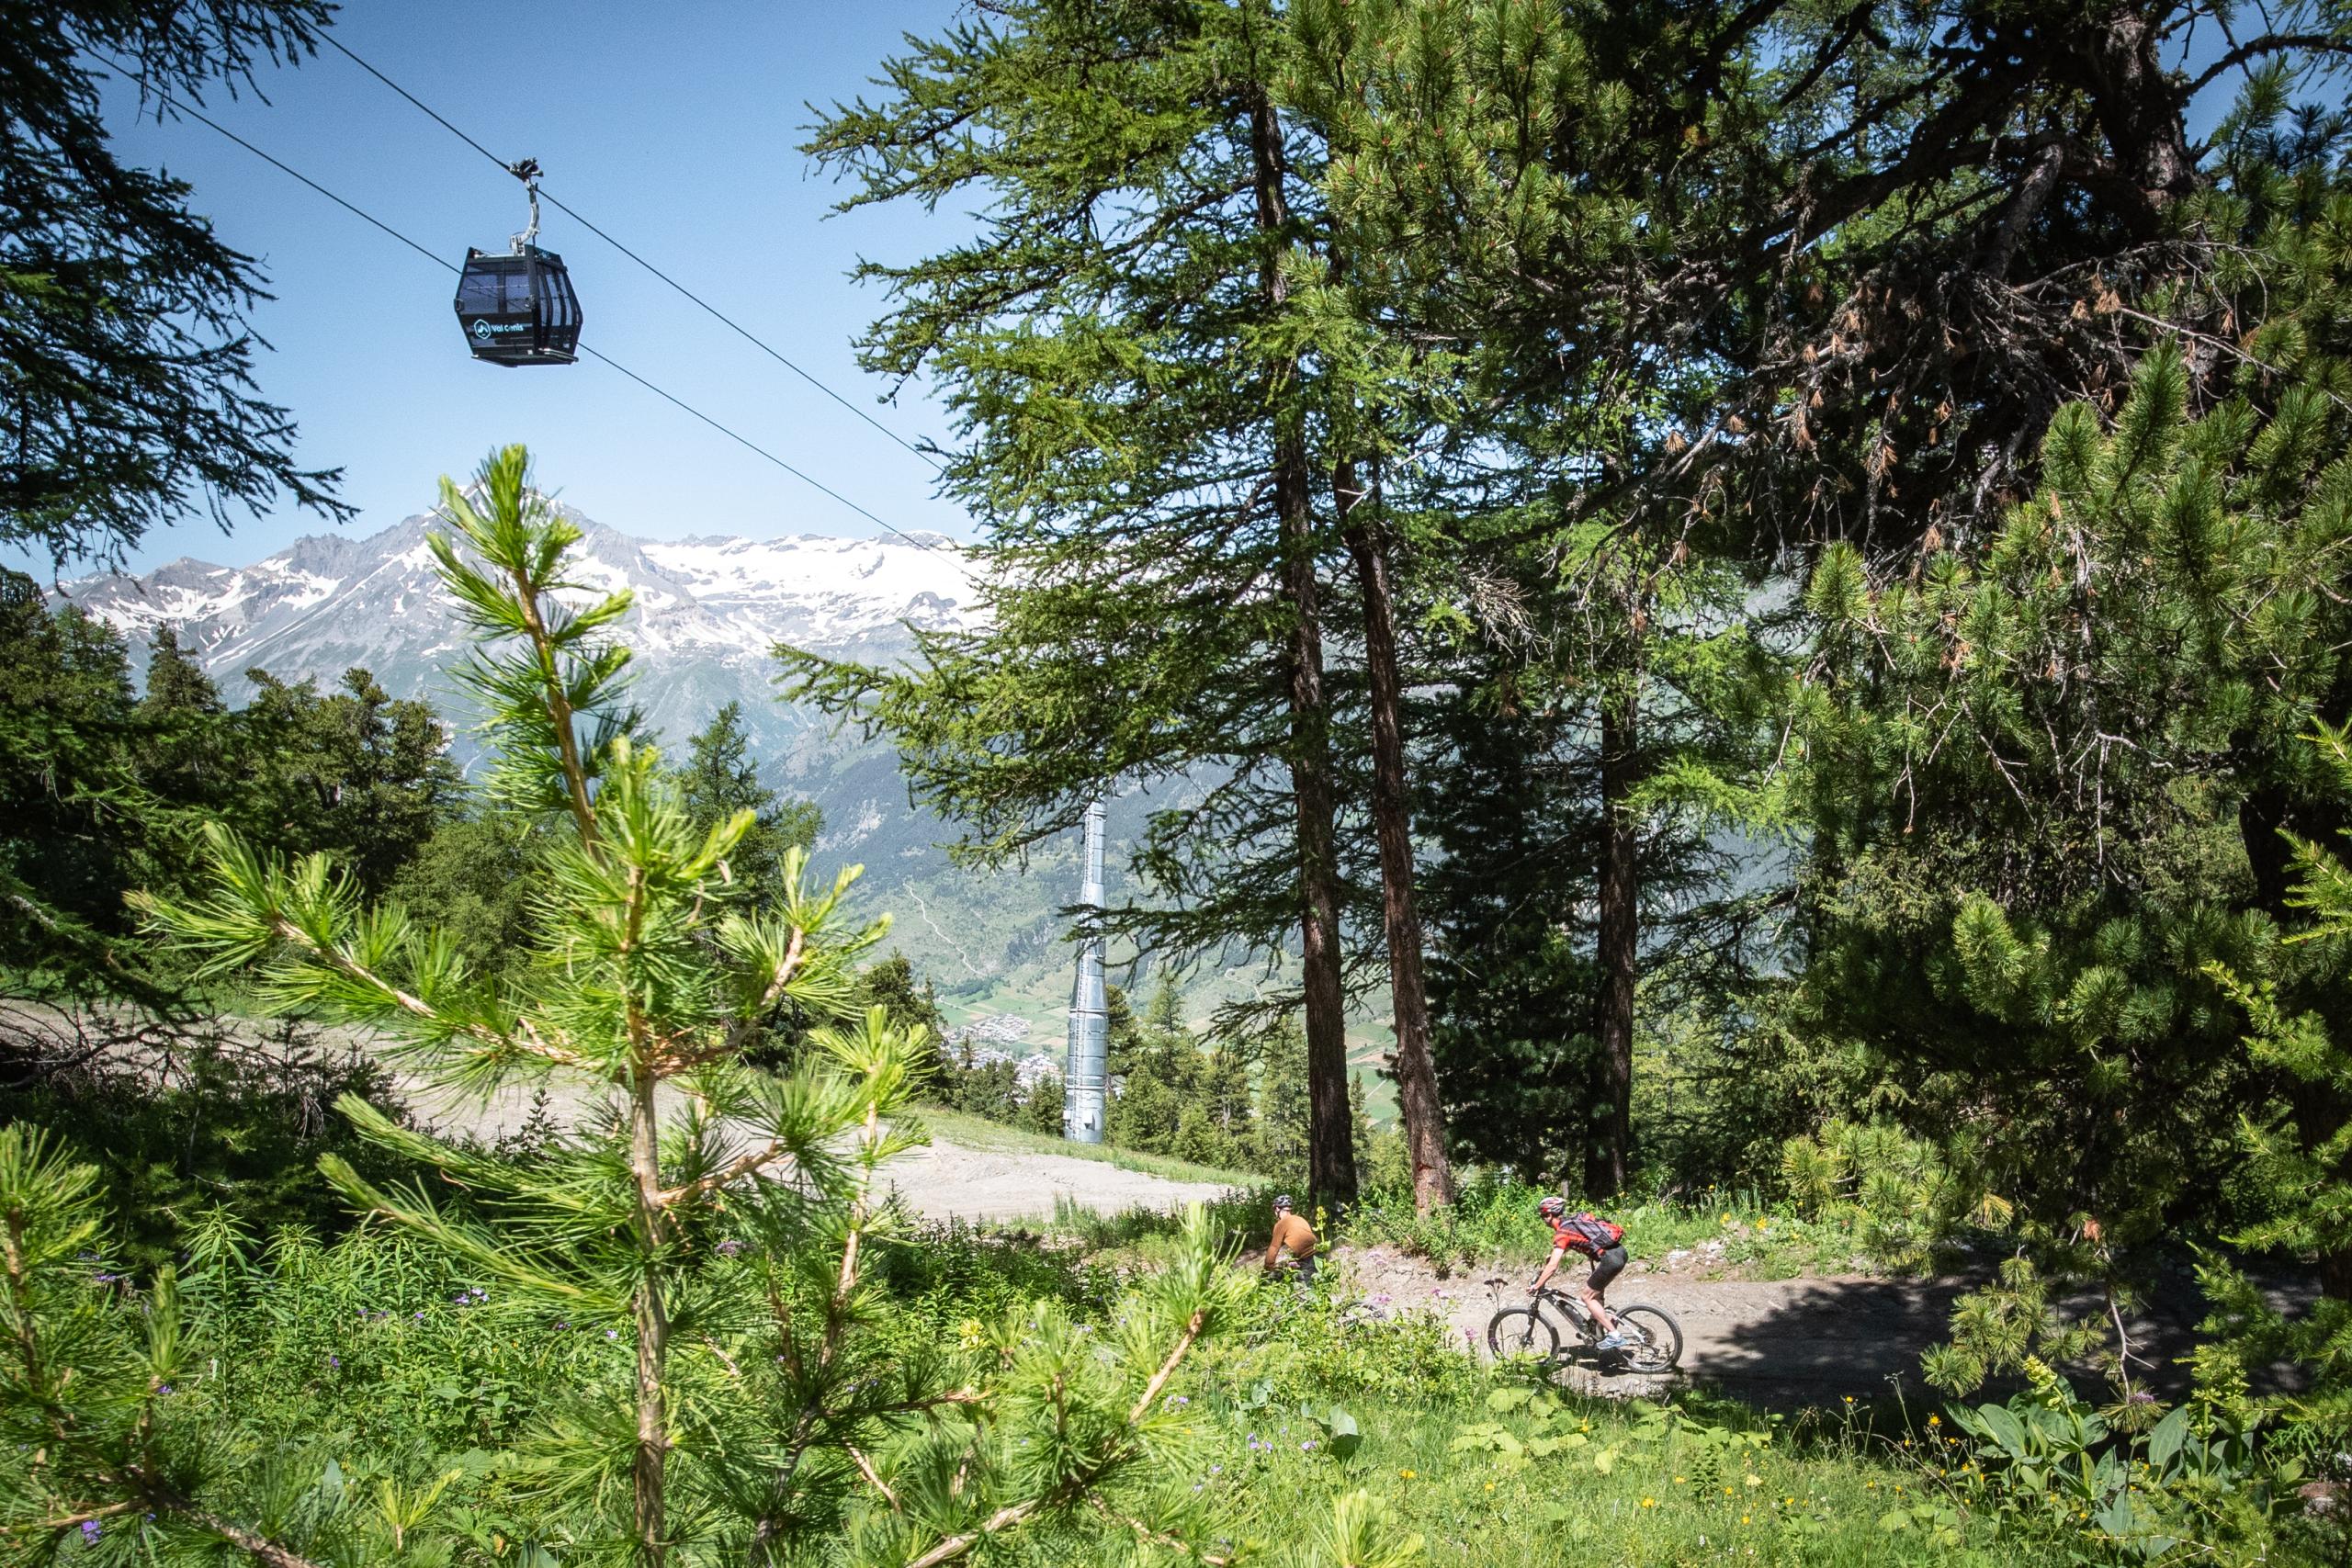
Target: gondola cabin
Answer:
pixel 519 309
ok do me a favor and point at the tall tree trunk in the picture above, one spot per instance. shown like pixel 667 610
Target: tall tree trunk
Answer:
pixel 649 1467
pixel 1417 1099
pixel 1331 1166
pixel 1620 934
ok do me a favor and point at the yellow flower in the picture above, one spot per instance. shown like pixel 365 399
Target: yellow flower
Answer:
pixel 1763 1225
pixel 1743 1519
pixel 1649 1502
pixel 1935 1420
pixel 1678 1479
pixel 1406 1474
pixel 1726 1219
pixel 1490 1486
pixel 1726 1491
pixel 1850 1399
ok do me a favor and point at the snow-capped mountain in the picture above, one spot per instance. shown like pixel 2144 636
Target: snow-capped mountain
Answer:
pixel 330 601
pixel 705 615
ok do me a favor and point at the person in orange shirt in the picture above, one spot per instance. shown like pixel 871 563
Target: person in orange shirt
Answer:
pixel 1294 1235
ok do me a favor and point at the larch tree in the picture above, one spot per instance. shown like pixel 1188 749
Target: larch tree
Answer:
pixel 1158 384
pixel 714 1204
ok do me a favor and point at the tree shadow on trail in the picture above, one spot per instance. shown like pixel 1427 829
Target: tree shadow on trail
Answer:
pixel 1824 1340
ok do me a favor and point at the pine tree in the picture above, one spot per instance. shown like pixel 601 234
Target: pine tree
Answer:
pixel 2048 770
pixel 354 772
pixel 1159 380
pixel 78 824
pixel 720 779
pixel 127 399
pixel 889 984
pixel 653 975
pixel 1279 1148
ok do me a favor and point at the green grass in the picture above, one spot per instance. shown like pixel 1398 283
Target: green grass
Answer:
pixel 1488 1468
pixel 1697 1486
pixel 371 1346
pixel 979 1133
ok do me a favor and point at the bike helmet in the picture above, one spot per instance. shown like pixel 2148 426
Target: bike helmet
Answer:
pixel 1552 1207
pixel 1282 1201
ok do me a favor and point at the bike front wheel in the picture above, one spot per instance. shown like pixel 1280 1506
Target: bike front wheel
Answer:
pixel 1653 1339
pixel 1521 1331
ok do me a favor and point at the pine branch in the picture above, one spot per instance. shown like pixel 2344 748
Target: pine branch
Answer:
pixel 343 964
pixel 1081 1484
pixel 732 1171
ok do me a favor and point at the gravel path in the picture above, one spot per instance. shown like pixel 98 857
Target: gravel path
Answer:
pixel 946 1181
pixel 1770 1342
pixel 949 1181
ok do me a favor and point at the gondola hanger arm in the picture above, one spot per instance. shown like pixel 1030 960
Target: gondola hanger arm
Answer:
pixel 527 171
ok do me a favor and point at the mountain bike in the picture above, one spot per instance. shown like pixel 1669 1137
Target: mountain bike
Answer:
pixel 1653 1339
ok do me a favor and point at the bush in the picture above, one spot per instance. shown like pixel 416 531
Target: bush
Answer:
pixel 1494 1220
pixel 181 1120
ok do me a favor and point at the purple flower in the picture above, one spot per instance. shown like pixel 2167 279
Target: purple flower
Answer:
pixel 335 1361
pixel 1308 1446
pixel 89 1531
pixel 612 1334
pixel 420 1317
pixel 730 1247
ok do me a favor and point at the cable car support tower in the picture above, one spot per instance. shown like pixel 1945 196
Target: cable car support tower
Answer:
pixel 1086 1069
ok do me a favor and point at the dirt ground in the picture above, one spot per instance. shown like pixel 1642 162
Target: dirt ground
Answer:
pixel 949 1181
pixel 943 1181
pixel 1775 1343
pixel 1771 1342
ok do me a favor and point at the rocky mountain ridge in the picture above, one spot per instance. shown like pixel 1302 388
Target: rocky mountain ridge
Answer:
pixel 706 613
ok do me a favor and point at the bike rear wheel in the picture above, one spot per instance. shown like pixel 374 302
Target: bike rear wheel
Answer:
pixel 1521 1331
pixel 1653 1339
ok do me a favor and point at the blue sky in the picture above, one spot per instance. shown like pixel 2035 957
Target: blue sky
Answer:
pixel 676 128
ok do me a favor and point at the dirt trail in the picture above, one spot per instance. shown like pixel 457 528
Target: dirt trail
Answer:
pixel 949 1181
pixel 946 1181
pixel 1769 1342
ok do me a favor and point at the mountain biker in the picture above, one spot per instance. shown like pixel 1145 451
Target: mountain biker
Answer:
pixel 1596 1239
pixel 1297 1235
